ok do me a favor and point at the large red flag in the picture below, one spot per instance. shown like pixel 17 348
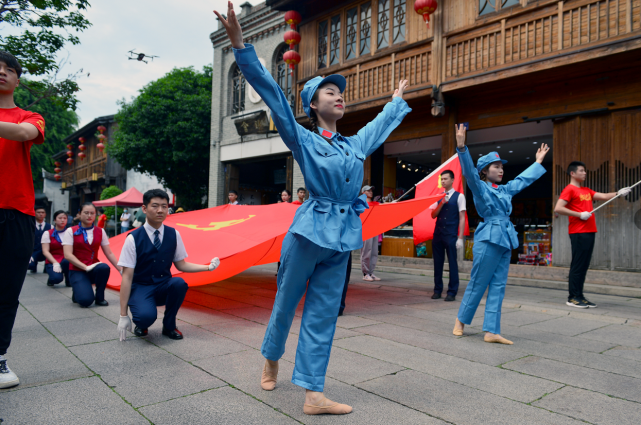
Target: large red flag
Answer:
pixel 424 224
pixel 243 236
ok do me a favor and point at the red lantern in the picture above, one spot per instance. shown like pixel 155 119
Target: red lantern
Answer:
pixel 69 154
pixel 57 164
pixel 100 147
pixel 57 169
pixel 70 146
pixel 57 177
pixel 81 139
pixel 425 8
pixel 82 147
pixel 102 129
pixel 292 38
pixel 82 155
pixel 293 18
pixel 69 160
pixel 292 58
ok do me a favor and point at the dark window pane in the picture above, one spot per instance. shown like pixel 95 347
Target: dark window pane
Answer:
pixel 351 23
pixel 399 21
pixel 322 44
pixel 284 77
pixel 487 6
pixel 383 24
pixel 238 91
pixel 508 3
pixel 335 40
pixel 366 27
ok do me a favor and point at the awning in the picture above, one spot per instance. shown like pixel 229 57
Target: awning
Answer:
pixel 129 198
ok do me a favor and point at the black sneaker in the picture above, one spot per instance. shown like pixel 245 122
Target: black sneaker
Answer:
pixel 436 296
pixel 588 303
pixel 573 302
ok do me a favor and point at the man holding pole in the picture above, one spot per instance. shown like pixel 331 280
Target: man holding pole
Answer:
pixel 576 202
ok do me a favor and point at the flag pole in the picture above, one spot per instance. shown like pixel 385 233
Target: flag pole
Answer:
pixel 606 203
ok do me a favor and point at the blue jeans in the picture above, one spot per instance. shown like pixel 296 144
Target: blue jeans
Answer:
pixel 81 282
pixel 144 299
pixel 303 261
pixel 57 277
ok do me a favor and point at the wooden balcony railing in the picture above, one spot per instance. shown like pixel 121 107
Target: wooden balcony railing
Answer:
pixel 561 27
pixel 84 173
pixel 377 78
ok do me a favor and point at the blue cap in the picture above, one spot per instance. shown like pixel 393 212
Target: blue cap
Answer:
pixel 486 160
pixel 312 85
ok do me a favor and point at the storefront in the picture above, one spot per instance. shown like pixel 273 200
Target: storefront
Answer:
pixel 259 181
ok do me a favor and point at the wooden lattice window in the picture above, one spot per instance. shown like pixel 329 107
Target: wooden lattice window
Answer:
pixel 399 21
pixel 351 32
pixel 335 40
pixel 238 91
pixel 383 24
pixel 489 6
pixel 284 77
pixel 322 44
pixel 365 27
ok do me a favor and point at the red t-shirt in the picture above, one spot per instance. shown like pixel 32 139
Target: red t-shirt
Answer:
pixel 16 182
pixel 297 202
pixel 579 199
pixel 101 221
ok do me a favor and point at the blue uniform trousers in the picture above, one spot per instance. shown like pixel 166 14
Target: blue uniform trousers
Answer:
pixel 81 282
pixel 440 246
pixel 324 268
pixel 57 277
pixel 38 257
pixel 348 275
pixel 489 270
pixel 144 299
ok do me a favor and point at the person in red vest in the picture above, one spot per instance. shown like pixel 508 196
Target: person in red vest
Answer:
pixel 55 264
pixel 80 245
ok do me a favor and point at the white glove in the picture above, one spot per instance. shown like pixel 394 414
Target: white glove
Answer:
pixel 91 267
pixel 624 192
pixel 31 260
pixel 459 243
pixel 585 215
pixel 124 325
pixel 57 268
pixel 215 262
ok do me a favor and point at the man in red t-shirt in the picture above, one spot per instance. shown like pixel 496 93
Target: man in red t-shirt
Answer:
pixel 19 129
pixel 576 202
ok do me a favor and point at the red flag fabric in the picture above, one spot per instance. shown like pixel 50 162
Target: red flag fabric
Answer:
pixel 243 236
pixel 424 224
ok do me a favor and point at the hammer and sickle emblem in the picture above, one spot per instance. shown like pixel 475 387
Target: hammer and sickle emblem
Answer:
pixel 216 225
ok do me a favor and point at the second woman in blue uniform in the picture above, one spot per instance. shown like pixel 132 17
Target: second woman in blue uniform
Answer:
pixel 326 228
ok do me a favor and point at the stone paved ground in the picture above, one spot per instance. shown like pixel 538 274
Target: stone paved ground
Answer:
pixel 394 359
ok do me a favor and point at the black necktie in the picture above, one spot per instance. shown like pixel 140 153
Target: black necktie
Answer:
pixel 157 239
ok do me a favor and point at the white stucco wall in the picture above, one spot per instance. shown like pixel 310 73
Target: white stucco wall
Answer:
pixel 52 190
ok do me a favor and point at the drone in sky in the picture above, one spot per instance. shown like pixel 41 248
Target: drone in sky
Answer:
pixel 140 57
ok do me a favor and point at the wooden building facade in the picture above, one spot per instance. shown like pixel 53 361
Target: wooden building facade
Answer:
pixel 574 66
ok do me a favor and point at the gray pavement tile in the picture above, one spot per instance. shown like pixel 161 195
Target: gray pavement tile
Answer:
pixel 87 401
pixel 522 318
pixel 213 302
pixel 243 371
pixel 491 354
pixel 245 332
pixel 577 376
pixel 591 407
pixel 566 326
pixel 541 336
pixel 84 330
pixel 38 358
pixel 198 343
pixel 424 325
pixel 625 352
pixel 198 315
pixel 351 368
pixel 143 373
pixel 351 322
pixel 573 356
pixel 220 406
pixel 472 374
pixel 437 397
pixel 627 336
pixel 263 292
pixel 435 305
pixel 254 300
pixel 255 314
pixel 59 310
pixel 25 321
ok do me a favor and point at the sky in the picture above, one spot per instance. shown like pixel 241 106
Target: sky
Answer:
pixel 176 31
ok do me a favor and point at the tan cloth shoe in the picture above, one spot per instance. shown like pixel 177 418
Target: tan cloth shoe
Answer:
pixel 268 382
pixel 498 339
pixel 334 409
pixel 456 331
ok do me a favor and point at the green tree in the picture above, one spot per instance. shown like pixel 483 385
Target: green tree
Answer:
pixel 109 193
pixel 165 132
pixel 60 122
pixel 43 28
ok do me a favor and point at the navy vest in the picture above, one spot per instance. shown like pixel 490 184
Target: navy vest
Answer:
pixel 37 242
pixel 447 219
pixel 153 266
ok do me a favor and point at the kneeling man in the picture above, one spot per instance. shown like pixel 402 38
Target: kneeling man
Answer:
pixel 146 258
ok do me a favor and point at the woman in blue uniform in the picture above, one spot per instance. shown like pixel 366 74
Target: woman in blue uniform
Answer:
pixel 326 228
pixel 495 237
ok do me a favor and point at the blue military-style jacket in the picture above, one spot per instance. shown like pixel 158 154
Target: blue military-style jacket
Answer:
pixel 494 202
pixel 333 173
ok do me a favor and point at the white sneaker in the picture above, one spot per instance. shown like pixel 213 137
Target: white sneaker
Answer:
pixel 8 379
pixel 374 277
pixel 368 278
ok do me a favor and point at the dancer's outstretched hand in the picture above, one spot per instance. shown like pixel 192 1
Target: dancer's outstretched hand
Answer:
pixel 232 26
pixel 540 154
pixel 402 86
pixel 461 135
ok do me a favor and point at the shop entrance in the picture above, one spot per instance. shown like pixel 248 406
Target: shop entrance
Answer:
pixel 259 182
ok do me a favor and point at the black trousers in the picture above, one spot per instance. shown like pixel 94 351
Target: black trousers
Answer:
pixel 17 232
pixel 440 246
pixel 582 247
pixel 348 275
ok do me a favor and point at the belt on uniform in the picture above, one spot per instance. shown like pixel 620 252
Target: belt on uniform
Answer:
pixel 359 204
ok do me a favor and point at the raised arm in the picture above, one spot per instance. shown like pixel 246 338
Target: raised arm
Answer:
pixel 530 175
pixel 257 76
pixel 467 165
pixel 376 131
